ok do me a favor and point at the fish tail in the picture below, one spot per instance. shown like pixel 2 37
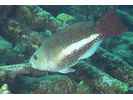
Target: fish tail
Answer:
pixel 110 24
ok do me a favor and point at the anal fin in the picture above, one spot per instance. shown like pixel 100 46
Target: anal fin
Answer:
pixel 92 50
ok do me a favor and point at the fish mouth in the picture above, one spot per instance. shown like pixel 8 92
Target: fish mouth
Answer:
pixel 32 64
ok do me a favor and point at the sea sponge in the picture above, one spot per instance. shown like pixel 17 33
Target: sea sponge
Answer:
pixel 65 17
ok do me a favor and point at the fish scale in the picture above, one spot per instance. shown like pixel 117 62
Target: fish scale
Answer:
pixel 66 39
pixel 74 56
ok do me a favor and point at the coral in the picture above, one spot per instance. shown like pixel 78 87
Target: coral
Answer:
pixel 86 72
pixel 25 23
pixel 91 75
pixel 26 34
pixel 107 80
pixel 119 91
pixel 11 71
pixel 84 89
pixel 56 84
pixel 59 85
pixel 130 91
pixel 121 46
pixel 26 12
pixel 65 17
pixel 39 18
pixel 113 65
pixel 4 89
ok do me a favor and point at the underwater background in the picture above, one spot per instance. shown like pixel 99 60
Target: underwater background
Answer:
pixel 22 31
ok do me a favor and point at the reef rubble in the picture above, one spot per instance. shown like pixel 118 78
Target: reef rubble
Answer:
pixel 85 71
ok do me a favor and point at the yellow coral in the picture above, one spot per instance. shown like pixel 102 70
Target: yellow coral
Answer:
pixel 4 89
pixel 65 17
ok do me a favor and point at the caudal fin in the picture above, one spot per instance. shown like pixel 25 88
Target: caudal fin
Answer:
pixel 110 24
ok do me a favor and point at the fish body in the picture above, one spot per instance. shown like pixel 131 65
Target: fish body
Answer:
pixel 78 41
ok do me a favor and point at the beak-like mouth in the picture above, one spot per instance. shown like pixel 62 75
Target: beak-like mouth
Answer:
pixel 32 64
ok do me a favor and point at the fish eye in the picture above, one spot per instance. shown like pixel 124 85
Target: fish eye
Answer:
pixel 35 57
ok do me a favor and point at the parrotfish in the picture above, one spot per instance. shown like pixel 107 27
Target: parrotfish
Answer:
pixel 77 41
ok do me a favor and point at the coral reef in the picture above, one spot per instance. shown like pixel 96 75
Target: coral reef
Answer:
pixel 109 70
pixel 91 76
pixel 34 19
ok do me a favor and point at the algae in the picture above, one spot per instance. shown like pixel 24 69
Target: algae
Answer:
pixel 11 28
pixel 27 12
pixel 65 17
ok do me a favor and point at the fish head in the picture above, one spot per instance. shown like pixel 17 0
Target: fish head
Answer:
pixel 38 59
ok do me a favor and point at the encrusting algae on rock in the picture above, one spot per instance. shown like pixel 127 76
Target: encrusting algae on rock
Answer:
pixel 65 17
